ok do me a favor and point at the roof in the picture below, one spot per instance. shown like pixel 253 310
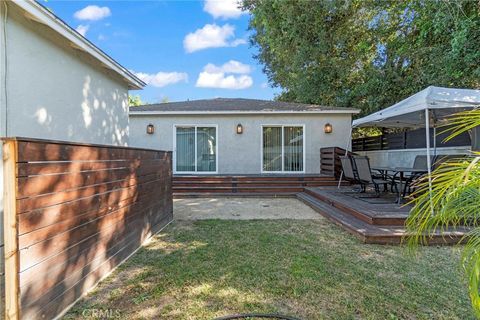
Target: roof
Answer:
pixel 40 14
pixel 234 106
pixel 410 112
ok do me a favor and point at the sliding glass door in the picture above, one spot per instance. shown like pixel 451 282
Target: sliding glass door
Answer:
pixel 282 149
pixel 196 149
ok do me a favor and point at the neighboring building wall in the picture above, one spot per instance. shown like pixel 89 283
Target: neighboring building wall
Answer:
pixel 241 153
pixel 405 158
pixel 57 92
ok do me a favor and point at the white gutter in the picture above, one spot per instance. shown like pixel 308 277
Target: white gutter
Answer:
pixel 38 13
pixel 153 113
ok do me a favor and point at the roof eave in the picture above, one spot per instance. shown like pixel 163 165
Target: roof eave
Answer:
pixel 155 112
pixel 40 14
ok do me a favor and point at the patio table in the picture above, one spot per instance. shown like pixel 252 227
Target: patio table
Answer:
pixel 401 171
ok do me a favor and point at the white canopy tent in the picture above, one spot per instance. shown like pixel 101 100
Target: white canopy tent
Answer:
pixel 427 109
pixel 411 112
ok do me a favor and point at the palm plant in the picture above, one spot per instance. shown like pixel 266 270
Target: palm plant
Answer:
pixel 453 200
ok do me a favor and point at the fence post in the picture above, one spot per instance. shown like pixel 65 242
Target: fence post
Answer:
pixel 10 225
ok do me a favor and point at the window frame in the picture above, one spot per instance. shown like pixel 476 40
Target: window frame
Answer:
pixel 174 153
pixel 283 148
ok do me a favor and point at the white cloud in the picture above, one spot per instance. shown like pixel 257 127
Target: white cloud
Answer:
pixel 82 29
pixel 162 79
pixel 92 13
pixel 231 66
pixel 214 76
pixel 238 42
pixel 211 36
pixel 223 8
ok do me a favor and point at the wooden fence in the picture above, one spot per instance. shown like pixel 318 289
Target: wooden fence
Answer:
pixel 73 212
pixel 330 161
pixel 412 139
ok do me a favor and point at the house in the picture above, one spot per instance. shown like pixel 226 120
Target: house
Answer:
pixel 55 84
pixel 241 136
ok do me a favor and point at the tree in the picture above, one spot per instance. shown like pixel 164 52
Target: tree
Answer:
pixel 134 101
pixel 453 200
pixel 365 54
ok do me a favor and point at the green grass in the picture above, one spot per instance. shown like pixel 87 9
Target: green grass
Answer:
pixel 310 269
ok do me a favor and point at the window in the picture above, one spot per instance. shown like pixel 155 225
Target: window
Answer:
pixel 196 149
pixel 282 149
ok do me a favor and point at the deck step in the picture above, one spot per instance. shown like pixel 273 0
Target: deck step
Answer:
pixel 235 194
pixel 186 184
pixel 369 233
pixel 348 207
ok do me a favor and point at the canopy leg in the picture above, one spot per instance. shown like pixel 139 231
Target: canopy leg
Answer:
pixel 429 159
pixel 346 153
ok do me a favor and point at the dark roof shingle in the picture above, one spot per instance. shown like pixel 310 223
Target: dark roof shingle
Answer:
pixel 232 105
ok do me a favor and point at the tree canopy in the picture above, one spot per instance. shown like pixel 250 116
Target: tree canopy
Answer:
pixel 134 101
pixel 365 54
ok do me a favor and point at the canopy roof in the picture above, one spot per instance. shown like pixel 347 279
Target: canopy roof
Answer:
pixel 410 113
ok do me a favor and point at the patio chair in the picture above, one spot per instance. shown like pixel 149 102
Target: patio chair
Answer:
pixel 349 172
pixel 420 162
pixel 365 176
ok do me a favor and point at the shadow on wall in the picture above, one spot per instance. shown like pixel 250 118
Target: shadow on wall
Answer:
pixel 100 116
pixel 79 218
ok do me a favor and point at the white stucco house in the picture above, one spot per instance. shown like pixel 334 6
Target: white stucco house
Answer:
pixel 241 136
pixel 55 84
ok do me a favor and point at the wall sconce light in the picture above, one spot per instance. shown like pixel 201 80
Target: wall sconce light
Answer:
pixel 328 128
pixel 239 129
pixel 150 129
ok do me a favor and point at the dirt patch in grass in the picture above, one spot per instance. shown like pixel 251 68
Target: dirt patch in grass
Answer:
pixel 241 209
pixel 310 269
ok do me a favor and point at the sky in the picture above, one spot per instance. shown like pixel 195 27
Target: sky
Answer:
pixel 181 49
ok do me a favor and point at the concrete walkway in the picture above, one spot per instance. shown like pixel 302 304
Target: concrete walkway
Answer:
pixel 241 209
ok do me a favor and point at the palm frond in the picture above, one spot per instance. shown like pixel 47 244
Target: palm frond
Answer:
pixel 461 122
pixel 454 197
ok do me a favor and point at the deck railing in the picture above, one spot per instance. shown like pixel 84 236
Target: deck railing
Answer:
pixel 73 212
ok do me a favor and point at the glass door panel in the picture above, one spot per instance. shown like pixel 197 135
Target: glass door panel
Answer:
pixel 185 157
pixel 206 149
pixel 293 149
pixel 272 149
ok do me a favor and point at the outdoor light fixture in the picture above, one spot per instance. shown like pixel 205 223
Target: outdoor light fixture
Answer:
pixel 150 129
pixel 239 129
pixel 328 128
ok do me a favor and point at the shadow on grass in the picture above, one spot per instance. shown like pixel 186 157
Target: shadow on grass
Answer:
pixel 307 269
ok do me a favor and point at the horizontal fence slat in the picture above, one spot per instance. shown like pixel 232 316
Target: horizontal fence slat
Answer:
pixel 42 184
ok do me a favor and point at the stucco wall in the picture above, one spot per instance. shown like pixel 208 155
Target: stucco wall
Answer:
pixel 241 153
pixel 405 158
pixel 55 91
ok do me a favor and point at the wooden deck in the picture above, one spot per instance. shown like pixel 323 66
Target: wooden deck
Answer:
pixel 247 185
pixel 373 220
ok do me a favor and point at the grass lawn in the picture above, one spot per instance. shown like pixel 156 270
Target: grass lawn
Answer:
pixel 310 269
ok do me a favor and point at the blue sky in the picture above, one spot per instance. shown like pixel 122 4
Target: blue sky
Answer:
pixel 182 49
